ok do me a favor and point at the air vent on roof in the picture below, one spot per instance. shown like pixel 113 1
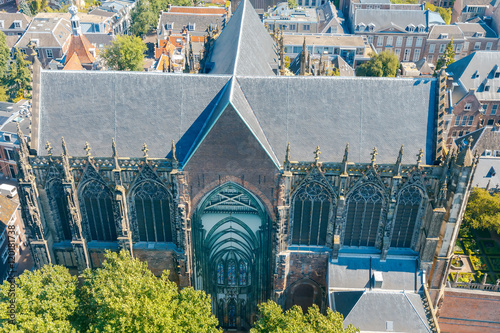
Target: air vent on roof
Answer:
pixel 389 326
pixel 378 279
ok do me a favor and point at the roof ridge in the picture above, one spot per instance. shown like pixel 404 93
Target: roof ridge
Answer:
pixel 426 325
pixel 238 43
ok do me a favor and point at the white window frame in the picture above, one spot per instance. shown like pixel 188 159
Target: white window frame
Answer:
pixel 407 55
pixel 489 45
pixel 458 48
pixel 306 27
pixel 389 41
pixel 457 121
pixel 397 52
pixel 399 41
pixel 466 46
pixel 432 48
pixel 416 55
pixel 409 41
pixel 477 46
pixel 380 40
pixel 442 47
pixel 2 24
pixel 494 108
pixel 419 41
pixel 49 53
pixel 18 24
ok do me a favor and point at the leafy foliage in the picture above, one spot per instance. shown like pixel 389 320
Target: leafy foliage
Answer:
pixel 483 210
pixel 384 64
pixel 404 1
pixel 4 56
pixel 444 12
pixel 146 13
pixel 447 58
pixel 273 319
pixel 122 296
pixel 45 300
pixel 19 78
pixel 292 3
pixel 126 53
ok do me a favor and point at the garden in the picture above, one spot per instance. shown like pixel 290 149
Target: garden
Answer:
pixel 476 253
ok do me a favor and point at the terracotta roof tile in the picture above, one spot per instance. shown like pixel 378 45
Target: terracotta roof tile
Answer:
pixel 468 312
pixel 73 63
pixel 81 46
pixel 7 209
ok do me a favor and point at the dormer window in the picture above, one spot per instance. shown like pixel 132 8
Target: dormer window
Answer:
pixel 421 28
pixel 371 27
pixel 443 36
pixel 361 27
pixel 6 137
pixel 479 34
pixel 1 25
pixel 410 28
pixel 18 24
pixel 169 25
pixel 191 26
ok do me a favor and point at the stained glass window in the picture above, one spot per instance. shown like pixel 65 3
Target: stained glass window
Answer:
pixel 231 273
pixel 220 273
pixel 58 204
pixel 364 210
pixel 243 273
pixel 98 207
pixel 232 314
pixel 409 202
pixel 312 204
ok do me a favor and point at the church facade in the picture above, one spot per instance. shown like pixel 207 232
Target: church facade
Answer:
pixel 258 197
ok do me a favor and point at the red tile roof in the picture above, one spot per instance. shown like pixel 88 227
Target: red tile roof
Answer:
pixel 198 10
pixel 469 312
pixel 73 63
pixel 81 46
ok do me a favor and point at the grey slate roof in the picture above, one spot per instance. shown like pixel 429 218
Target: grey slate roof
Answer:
pixel 180 20
pixel 487 173
pixel 244 47
pixel 453 31
pixel 477 71
pixel 157 108
pixel 374 309
pixel 383 18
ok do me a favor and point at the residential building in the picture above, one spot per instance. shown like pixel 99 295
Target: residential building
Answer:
pixel 474 95
pixel 232 208
pixel 12 237
pixel 402 29
pixel 353 49
pixel 120 10
pixel 13 26
pixel 12 114
pixel 466 10
pixel 306 20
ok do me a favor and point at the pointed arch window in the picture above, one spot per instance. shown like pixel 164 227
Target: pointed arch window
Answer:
pixel 409 202
pixel 231 273
pixel 312 206
pixel 220 273
pixel 96 199
pixel 58 205
pixel 231 309
pixel 243 273
pixel 364 212
pixel 152 211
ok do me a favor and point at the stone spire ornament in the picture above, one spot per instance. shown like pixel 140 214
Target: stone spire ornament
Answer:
pixel 48 147
pixel 145 150
pixel 374 153
pixel 420 155
pixel 317 152
pixel 75 20
pixel 397 168
pixel 64 147
pixel 174 153
pixel 87 149
pixel 345 159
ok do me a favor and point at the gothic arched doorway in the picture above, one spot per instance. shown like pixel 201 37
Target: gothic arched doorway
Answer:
pixel 232 246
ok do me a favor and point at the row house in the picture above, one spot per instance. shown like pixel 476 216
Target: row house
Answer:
pixel 12 114
pixel 466 10
pixel 402 31
pixel 352 49
pixel 120 11
pixel 475 93
pixel 182 33
pixel 12 237
pixel 13 26
pixel 306 20
pixel 467 38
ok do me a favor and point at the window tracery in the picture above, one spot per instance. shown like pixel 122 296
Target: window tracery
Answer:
pixel 152 211
pixel 58 205
pixel 405 221
pixel 311 211
pixel 220 273
pixel 364 211
pixel 243 273
pixel 98 211
pixel 231 273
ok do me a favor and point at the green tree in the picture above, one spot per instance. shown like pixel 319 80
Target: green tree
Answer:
pixel 447 58
pixel 4 56
pixel 384 64
pixel 444 12
pixel 404 1
pixel 483 210
pixel 273 319
pixel 44 301
pixel 124 296
pixel 3 93
pixel 292 3
pixel 19 78
pixel 126 53
pixel 143 18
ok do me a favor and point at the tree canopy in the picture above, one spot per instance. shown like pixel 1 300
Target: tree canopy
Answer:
pixel 384 64
pixel 4 56
pixel 483 210
pixel 146 13
pixel 45 300
pixel 19 78
pixel 447 58
pixel 126 53
pixel 444 12
pixel 273 319
pixel 122 296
